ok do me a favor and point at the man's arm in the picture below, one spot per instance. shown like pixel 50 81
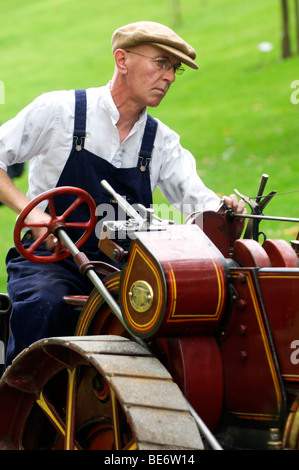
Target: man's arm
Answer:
pixel 13 198
pixel 26 135
pixel 10 195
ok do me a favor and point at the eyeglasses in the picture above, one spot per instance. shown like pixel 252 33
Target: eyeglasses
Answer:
pixel 163 64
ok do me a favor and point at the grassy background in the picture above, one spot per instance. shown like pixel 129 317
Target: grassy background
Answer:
pixel 234 114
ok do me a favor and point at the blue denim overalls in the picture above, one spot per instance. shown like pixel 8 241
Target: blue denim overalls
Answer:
pixel 36 290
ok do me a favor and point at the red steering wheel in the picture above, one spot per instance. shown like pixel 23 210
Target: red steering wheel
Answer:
pixel 56 221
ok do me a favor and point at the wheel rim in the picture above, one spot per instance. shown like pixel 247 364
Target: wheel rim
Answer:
pixel 291 431
pixel 96 317
pixel 57 221
pixel 61 427
pixel 75 418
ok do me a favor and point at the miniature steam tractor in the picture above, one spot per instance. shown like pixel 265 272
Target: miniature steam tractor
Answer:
pixel 188 340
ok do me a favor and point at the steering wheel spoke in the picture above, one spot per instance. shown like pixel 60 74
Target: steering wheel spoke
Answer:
pixel 76 225
pixel 51 207
pixel 72 207
pixel 36 244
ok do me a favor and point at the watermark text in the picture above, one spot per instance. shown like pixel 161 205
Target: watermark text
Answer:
pixel 295 94
pixel 295 353
pixel 164 213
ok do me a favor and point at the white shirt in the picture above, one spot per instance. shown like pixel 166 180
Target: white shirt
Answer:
pixel 43 133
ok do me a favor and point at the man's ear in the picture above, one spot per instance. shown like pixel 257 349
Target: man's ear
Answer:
pixel 120 57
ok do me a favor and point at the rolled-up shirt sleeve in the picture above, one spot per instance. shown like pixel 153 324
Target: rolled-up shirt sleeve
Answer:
pixel 179 180
pixel 27 134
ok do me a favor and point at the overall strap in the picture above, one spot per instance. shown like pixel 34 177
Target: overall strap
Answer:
pixel 147 142
pixel 80 119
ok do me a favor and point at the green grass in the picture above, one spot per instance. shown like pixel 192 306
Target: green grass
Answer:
pixel 234 114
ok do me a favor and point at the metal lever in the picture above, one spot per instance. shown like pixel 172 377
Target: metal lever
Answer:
pixel 252 204
pixel 256 208
pixel 129 210
pixel 262 187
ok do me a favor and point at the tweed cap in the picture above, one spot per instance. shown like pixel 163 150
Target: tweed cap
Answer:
pixel 156 34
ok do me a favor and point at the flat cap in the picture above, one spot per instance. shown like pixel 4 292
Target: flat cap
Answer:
pixel 156 34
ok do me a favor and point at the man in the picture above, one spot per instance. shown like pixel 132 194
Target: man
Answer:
pixel 78 139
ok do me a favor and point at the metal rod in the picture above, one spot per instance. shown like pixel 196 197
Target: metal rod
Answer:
pixel 262 187
pixel 205 430
pixel 264 217
pixel 129 210
pixel 90 273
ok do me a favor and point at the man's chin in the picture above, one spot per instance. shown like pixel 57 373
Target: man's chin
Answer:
pixel 155 102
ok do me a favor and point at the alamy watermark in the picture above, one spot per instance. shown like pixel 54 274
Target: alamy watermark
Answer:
pixel 295 94
pixel 2 92
pixel 295 354
pixel 162 215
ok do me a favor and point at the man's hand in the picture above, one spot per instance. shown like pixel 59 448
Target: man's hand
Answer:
pixel 238 207
pixel 233 203
pixel 37 216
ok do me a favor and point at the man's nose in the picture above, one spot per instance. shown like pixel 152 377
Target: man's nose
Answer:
pixel 169 74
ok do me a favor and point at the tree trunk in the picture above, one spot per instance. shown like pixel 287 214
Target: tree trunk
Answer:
pixel 286 48
pixel 297 24
pixel 175 10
